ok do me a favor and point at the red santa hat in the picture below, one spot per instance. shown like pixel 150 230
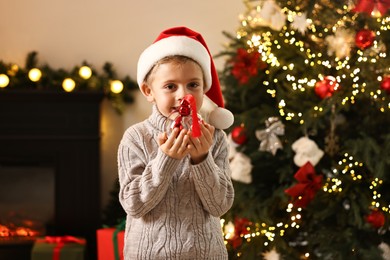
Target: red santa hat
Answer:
pixel 186 42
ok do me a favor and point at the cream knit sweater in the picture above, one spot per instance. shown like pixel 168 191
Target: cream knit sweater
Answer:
pixel 173 207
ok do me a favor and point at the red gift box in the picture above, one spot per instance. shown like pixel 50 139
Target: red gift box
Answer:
pixel 105 243
pixel 58 248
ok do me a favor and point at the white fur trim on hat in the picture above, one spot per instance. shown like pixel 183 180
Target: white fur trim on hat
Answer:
pixel 174 45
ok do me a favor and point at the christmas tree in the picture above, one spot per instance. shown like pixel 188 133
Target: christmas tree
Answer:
pixel 309 84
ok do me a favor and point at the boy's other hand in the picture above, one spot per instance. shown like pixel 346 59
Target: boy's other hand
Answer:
pixel 200 146
pixel 175 145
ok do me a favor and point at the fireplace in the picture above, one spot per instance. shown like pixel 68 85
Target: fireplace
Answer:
pixel 49 168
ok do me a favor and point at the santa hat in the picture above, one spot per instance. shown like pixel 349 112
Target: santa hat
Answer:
pixel 186 42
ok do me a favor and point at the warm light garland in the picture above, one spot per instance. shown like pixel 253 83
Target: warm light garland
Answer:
pixel 83 78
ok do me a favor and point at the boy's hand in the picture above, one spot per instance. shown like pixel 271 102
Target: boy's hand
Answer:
pixel 175 146
pixel 200 146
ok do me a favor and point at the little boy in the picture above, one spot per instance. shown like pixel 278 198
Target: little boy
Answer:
pixel 173 186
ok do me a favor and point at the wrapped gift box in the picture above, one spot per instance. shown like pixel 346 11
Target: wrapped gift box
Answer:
pixel 110 242
pixel 58 248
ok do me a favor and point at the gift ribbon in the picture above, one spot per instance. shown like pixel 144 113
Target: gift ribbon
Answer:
pixel 60 242
pixel 120 227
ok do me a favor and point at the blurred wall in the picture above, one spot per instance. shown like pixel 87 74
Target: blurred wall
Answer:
pixel 68 32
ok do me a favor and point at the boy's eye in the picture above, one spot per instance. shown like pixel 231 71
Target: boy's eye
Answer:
pixel 193 84
pixel 170 86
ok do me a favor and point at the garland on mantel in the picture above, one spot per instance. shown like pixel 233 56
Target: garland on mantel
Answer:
pixel 81 78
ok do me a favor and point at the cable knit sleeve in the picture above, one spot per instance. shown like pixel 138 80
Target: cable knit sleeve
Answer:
pixel 212 178
pixel 143 181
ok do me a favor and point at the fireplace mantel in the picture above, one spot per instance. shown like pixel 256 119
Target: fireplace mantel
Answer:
pixel 61 130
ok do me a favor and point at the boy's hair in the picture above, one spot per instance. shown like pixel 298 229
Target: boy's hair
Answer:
pixel 177 59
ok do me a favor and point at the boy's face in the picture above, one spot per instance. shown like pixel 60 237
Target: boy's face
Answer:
pixel 170 82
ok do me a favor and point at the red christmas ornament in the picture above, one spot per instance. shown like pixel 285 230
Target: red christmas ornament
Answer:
pixel 239 135
pixel 187 111
pixel 326 87
pixel 364 38
pixel 385 84
pixel 376 218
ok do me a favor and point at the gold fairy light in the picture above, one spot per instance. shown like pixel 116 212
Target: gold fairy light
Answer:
pixel 85 72
pixel 4 80
pixel 35 74
pixel 116 86
pixel 68 84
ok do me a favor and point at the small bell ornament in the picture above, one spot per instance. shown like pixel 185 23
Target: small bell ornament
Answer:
pixel 187 118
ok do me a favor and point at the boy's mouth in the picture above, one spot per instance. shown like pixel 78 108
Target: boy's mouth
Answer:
pixel 174 112
pixel 175 109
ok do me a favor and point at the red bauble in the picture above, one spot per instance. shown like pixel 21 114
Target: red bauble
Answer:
pixel 364 38
pixel 376 218
pixel 326 87
pixel 239 135
pixel 385 84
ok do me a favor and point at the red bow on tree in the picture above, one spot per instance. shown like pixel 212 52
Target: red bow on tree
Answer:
pixel 240 229
pixel 367 6
pixel 309 183
pixel 246 65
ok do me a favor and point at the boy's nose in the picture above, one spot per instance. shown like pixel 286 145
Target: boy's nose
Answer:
pixel 181 92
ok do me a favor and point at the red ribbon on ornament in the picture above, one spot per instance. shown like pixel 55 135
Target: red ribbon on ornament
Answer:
pixel 188 107
pixel 60 242
pixel 309 183
pixel 367 6
pixel 194 114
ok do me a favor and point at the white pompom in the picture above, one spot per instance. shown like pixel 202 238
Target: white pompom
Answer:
pixel 221 118
pixel 217 116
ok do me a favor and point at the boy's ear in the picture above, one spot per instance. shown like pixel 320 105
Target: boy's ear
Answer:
pixel 147 92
